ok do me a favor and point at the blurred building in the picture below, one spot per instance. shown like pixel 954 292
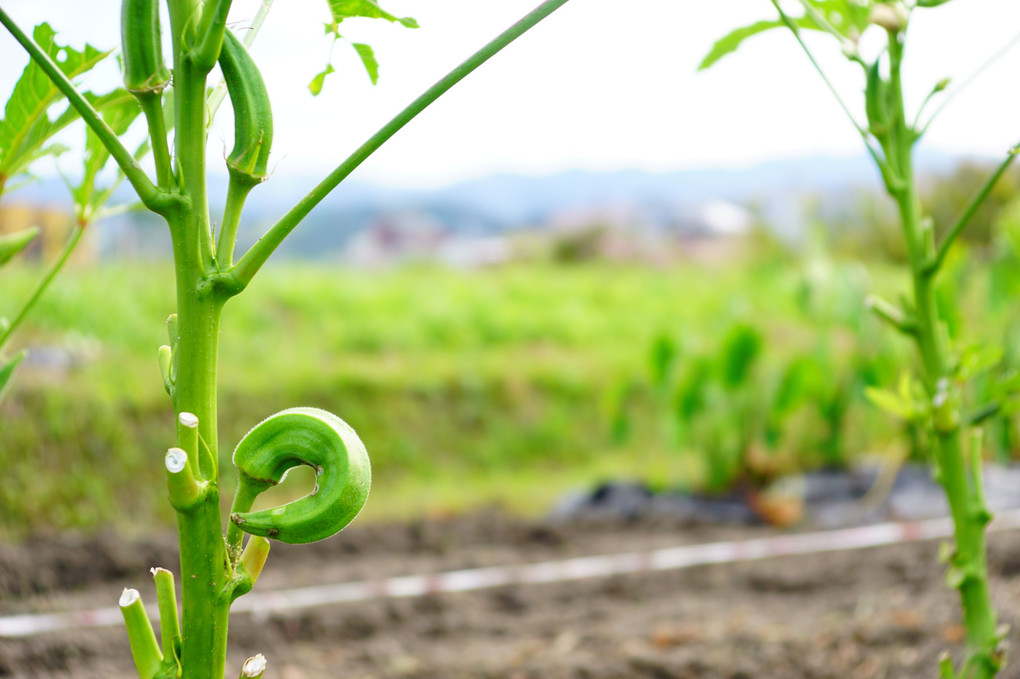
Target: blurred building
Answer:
pixel 55 225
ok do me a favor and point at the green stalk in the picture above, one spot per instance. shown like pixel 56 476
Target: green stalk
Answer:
pixel 152 107
pixel 968 569
pixel 205 570
pixel 237 192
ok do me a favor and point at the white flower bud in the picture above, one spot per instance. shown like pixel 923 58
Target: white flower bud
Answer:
pixel 890 16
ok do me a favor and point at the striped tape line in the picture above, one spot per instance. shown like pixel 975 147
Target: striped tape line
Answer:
pixel 670 558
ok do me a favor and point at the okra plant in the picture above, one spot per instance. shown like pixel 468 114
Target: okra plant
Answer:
pixel 935 399
pixel 218 565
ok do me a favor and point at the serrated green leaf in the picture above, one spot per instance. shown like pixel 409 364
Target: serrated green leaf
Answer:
pixel 367 9
pixel 350 9
pixel 316 85
pixel 732 40
pixel 26 126
pixel 7 370
pixel 13 243
pixel 119 109
pixel 368 59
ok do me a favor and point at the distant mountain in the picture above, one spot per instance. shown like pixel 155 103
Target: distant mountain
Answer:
pixel 498 203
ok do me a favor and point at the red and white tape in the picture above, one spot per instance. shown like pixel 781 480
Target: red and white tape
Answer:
pixel 670 558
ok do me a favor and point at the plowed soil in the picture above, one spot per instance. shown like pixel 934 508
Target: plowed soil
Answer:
pixel 880 612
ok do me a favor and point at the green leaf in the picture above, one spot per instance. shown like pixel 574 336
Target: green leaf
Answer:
pixel 26 126
pixel 7 370
pixel 732 40
pixel 978 359
pixel 12 244
pixel 368 59
pixel 316 85
pixel 119 109
pixel 368 9
pixel 890 402
pixel 350 9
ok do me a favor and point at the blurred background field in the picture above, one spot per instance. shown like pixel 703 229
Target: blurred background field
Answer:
pixel 706 363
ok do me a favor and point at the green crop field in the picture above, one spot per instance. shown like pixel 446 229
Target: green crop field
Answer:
pixel 500 386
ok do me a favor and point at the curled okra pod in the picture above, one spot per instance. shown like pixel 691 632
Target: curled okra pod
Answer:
pixel 293 437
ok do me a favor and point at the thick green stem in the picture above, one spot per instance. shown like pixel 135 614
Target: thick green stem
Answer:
pixel 968 570
pixel 205 571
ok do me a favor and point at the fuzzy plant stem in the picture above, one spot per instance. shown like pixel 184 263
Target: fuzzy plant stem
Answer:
pixel 205 570
pixel 968 567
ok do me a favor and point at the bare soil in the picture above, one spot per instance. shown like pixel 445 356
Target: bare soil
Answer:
pixel 882 613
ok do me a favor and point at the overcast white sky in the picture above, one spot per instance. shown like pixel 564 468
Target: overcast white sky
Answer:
pixel 599 85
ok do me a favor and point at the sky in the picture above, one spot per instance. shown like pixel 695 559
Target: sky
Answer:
pixel 593 87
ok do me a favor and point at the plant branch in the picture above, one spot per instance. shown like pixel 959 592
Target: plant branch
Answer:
pixel 970 79
pixel 968 213
pixel 253 260
pixel 214 23
pixel 149 194
pixel 237 192
pixel 152 107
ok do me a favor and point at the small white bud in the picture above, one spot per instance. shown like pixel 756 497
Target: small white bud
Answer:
pixel 189 420
pixel 890 16
pixel 254 666
pixel 176 459
pixel 128 597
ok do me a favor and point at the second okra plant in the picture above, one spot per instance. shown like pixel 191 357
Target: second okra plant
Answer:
pixel 934 400
pixel 218 565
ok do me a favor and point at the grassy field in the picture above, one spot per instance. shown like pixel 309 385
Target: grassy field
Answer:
pixel 469 388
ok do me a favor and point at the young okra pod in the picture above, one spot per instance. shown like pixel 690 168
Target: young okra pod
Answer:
pixel 253 117
pixel 144 70
pixel 293 437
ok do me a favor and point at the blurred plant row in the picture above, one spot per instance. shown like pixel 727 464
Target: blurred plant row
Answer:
pixel 760 398
pixel 699 376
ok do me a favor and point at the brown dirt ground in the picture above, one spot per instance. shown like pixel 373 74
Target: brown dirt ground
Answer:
pixel 875 613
